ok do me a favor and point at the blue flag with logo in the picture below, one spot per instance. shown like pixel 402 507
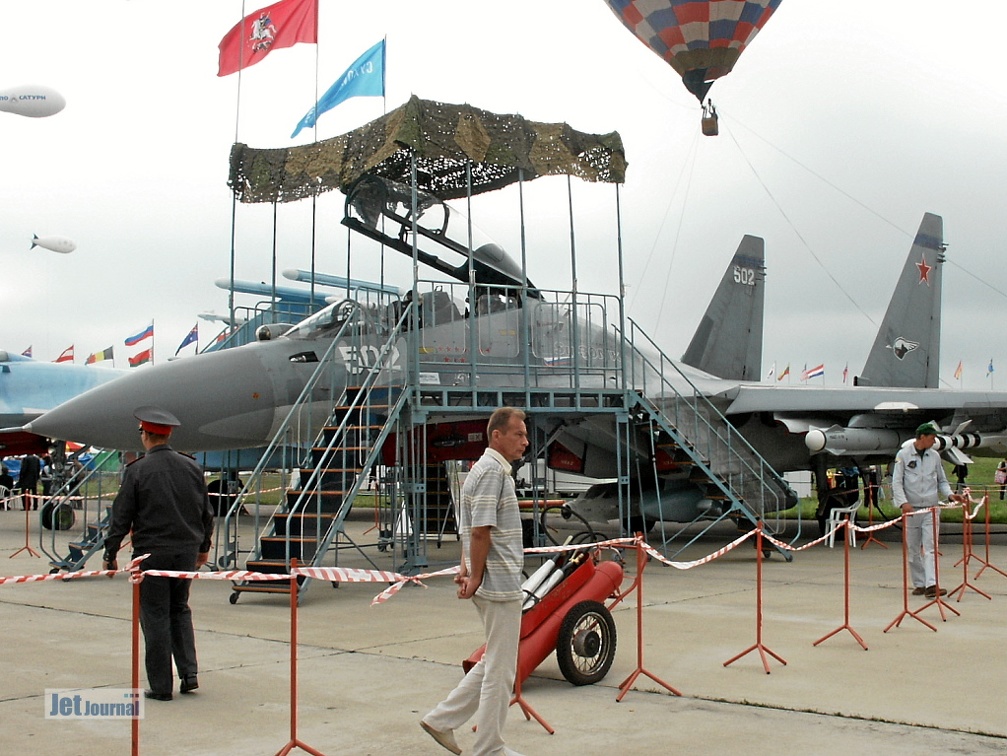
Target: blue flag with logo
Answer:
pixel 365 77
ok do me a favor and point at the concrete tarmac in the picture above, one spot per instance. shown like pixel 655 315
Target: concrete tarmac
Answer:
pixel 368 673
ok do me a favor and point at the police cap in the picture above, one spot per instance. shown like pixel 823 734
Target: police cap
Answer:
pixel 155 420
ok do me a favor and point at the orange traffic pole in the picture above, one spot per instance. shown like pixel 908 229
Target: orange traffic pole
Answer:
pixel 967 518
pixel 759 646
pixel 294 742
pixel 986 562
pixel 624 686
pixel 905 584
pixel 941 603
pixel 135 672
pixel 846 590
pixel 27 527
pixel 870 522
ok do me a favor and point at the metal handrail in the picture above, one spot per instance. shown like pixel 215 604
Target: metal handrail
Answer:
pixel 281 440
pixel 730 439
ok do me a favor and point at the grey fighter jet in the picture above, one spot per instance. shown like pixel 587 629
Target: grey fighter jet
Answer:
pixel 561 347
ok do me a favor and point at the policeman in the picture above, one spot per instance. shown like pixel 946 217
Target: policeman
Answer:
pixel 164 502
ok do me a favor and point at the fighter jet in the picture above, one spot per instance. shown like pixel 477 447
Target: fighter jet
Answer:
pixel 527 339
pixel 28 388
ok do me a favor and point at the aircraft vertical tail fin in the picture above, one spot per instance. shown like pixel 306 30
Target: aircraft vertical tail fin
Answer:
pixel 728 340
pixel 907 350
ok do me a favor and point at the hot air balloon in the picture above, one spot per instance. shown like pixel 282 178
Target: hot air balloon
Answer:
pixel 33 101
pixel 701 40
pixel 54 243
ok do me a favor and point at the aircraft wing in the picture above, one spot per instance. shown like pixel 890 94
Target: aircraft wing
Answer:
pixel 929 402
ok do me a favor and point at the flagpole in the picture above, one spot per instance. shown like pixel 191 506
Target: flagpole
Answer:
pixel 314 194
pixel 234 191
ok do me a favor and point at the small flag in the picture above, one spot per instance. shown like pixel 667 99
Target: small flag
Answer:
pixel 146 333
pixel 26 352
pixel 364 78
pixel 190 338
pixel 815 372
pixel 785 373
pixel 66 356
pixel 282 24
pixel 101 356
pixel 989 368
pixel 772 372
pixel 846 372
pixel 958 371
pixel 140 358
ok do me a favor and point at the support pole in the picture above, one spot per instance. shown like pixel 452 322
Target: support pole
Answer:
pixel 846 591
pixel 870 520
pixel 527 710
pixel 937 600
pixel 762 649
pixel 986 561
pixel 27 528
pixel 294 742
pixel 625 685
pixel 967 518
pixel 135 672
pixel 905 585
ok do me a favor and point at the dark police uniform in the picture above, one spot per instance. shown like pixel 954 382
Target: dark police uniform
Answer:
pixel 163 500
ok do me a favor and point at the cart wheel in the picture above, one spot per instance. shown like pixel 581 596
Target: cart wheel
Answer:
pixel 585 648
pixel 233 598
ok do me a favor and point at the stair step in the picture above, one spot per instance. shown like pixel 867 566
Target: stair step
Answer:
pixel 266 565
pixel 275 547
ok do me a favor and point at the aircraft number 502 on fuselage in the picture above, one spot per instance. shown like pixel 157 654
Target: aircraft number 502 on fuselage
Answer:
pixel 361 358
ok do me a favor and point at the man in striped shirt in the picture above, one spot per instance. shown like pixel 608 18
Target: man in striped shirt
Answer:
pixel 490 575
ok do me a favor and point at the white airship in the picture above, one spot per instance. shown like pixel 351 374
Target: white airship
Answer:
pixel 55 243
pixel 31 100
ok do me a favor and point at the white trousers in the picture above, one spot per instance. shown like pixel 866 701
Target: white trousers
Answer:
pixel 920 547
pixel 487 688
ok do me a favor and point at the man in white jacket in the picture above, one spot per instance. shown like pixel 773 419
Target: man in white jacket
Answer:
pixel 918 482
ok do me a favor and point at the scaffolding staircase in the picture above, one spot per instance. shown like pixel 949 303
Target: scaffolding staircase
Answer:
pixel 77 492
pixel 686 430
pixel 309 520
pixel 659 422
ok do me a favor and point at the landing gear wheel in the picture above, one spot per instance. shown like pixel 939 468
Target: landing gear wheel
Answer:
pixel 585 648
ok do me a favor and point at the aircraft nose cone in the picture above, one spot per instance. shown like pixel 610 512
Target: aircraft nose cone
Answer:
pixel 223 400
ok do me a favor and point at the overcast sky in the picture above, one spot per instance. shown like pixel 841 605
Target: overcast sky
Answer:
pixel 840 126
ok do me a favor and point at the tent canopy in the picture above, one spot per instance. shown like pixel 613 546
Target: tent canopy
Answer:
pixel 444 138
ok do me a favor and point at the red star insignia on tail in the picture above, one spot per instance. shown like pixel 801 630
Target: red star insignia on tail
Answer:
pixel 924 271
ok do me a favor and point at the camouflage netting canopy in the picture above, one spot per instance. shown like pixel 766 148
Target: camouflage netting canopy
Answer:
pixel 444 139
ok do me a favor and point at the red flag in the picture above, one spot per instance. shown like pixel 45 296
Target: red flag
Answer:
pixel 66 356
pixel 147 355
pixel 282 24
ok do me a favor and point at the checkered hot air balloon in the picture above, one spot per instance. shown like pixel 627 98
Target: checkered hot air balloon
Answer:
pixel 700 40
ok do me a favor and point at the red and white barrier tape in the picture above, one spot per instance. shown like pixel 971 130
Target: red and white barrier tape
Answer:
pixel 15 579
pixel 398 580
pixel 695 563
